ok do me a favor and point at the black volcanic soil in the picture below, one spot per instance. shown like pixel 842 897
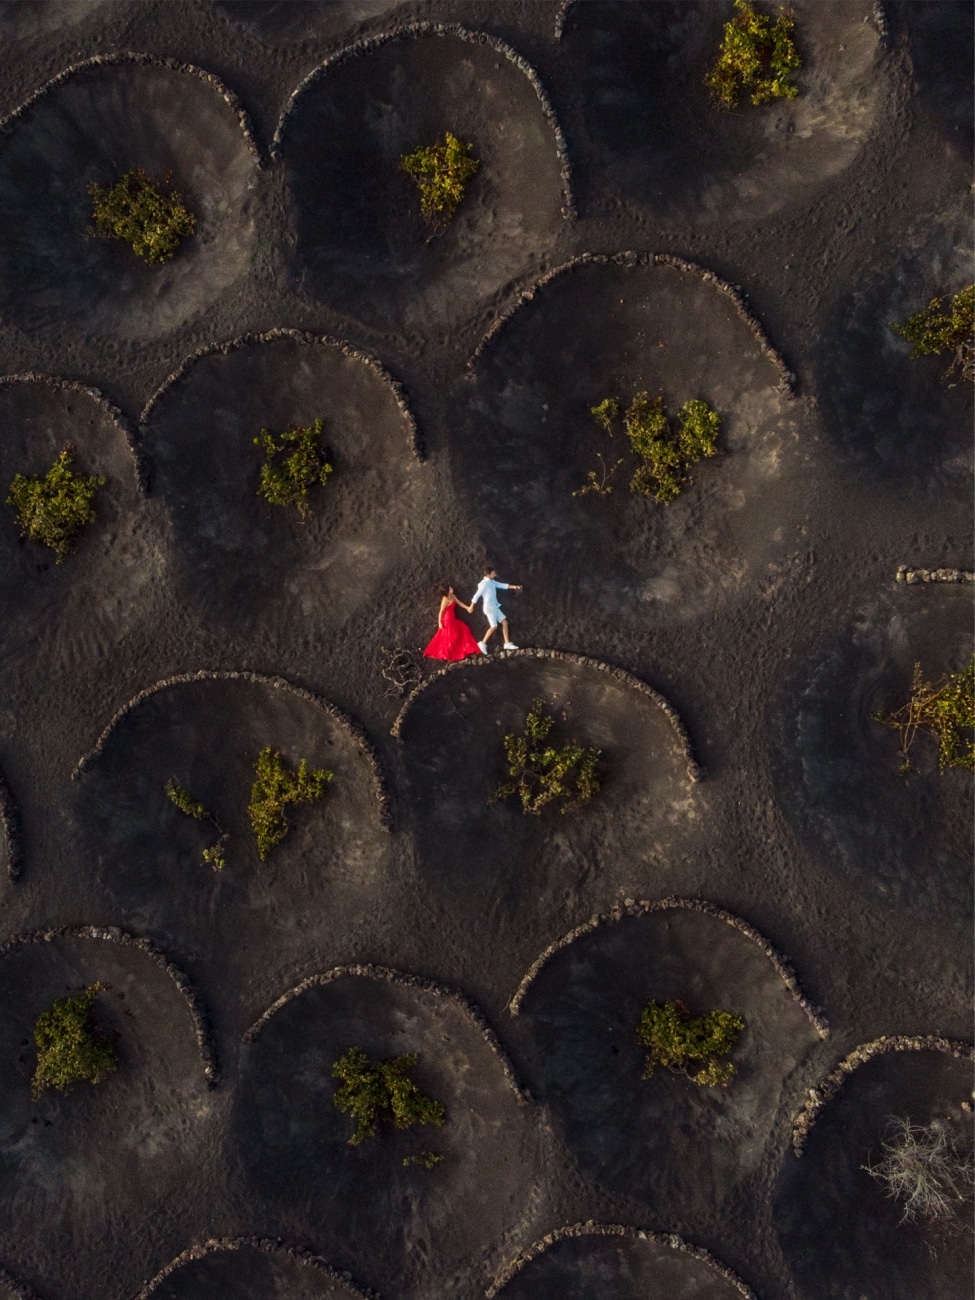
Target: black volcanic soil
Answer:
pixel 836 1225
pixel 762 604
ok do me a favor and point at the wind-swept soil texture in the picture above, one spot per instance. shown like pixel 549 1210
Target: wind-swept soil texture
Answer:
pixel 753 846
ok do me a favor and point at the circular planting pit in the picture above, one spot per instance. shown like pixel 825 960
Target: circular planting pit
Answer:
pixel 839 1230
pixel 667 1141
pixel 251 1272
pixel 235 553
pixel 621 1265
pixel 91 599
pixel 492 861
pixel 109 1158
pixel 611 329
pixel 405 1230
pixel 651 130
pixel 362 245
pixel 100 122
pixel 206 736
pixel 896 416
pixel 903 839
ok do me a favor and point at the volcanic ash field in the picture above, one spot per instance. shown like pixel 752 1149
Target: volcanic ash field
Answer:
pixel 626 963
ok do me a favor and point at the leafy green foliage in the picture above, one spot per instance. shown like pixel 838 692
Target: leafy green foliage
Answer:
pixel 605 413
pixel 184 801
pixel 945 326
pixel 52 508
pixel 944 709
pixel 757 58
pixel 688 1045
pixel 69 1049
pixel 276 788
pixel 215 856
pixel 543 773
pixel 441 171
pixel 428 1159
pixel 383 1090
pixel 286 482
pixel 152 221
pixel 665 454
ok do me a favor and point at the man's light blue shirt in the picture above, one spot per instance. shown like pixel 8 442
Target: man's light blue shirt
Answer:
pixel 487 592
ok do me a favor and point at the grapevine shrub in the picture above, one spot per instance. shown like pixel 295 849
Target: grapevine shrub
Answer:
pixel 286 478
pixel 944 709
pixel 664 453
pixel 152 221
pixel 53 508
pixel 945 326
pixel 687 1045
pixel 383 1090
pixel 757 58
pixel 214 856
pixel 69 1049
pixel 276 788
pixel 542 773
pixel 441 172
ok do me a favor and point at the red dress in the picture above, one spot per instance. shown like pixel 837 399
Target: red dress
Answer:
pixel 454 640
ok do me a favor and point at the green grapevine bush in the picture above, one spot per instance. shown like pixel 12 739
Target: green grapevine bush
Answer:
pixel 286 482
pixel 428 1159
pixel 276 788
pixel 383 1090
pixel 441 172
pixel 52 508
pixel 944 709
pixel 665 454
pixel 945 326
pixel 215 856
pixel 185 802
pixel 543 773
pixel 757 58
pixel 679 1042
pixel 69 1049
pixel 152 221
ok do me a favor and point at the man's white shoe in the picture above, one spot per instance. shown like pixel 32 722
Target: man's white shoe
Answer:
pixel 510 645
pixel 482 647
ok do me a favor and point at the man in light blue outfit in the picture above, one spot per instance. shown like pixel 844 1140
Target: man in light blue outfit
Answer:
pixel 487 593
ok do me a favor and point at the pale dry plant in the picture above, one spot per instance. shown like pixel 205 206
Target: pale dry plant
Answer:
pixel 923 1168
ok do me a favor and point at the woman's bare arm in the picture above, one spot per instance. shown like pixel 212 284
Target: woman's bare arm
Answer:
pixel 444 602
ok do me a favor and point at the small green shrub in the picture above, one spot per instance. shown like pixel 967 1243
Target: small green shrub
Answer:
pixel 692 1047
pixel 276 788
pixel 383 1090
pixel 945 326
pixel 441 172
pixel 184 801
pixel 665 455
pixel 543 773
pixel 69 1049
pixel 286 482
pixel 52 508
pixel 151 220
pixel 924 1168
pixel 944 709
pixel 215 856
pixel 428 1159
pixel 757 58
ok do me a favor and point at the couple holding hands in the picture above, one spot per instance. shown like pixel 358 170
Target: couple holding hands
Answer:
pixel 455 640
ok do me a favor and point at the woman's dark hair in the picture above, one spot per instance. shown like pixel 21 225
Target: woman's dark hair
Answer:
pixel 442 590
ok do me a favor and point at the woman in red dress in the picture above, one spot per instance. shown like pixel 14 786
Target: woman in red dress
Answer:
pixel 454 640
